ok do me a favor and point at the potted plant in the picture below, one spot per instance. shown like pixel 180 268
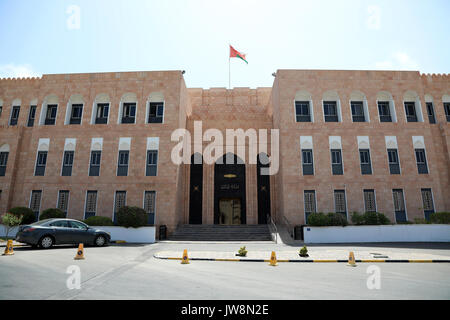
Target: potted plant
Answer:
pixel 303 252
pixel 242 252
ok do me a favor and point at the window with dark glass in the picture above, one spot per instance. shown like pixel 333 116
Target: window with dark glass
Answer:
pixel 122 167
pixel 35 202
pixel 427 200
pixel 357 111
pixel 50 117
pixel 119 202
pixel 156 112
pixel 447 110
pixel 94 167
pixel 421 161
pixel 307 161
pixel 336 161
pixel 399 205
pixel 364 157
pixel 149 206
pixel 430 112
pixel 330 111
pixel 91 204
pixel 63 201
pixel 384 111
pixel 67 163
pixel 310 203
pixel 102 113
pixel 41 162
pixel 152 163
pixel 31 116
pixel 410 110
pixel 77 112
pixel 129 113
pixel 14 115
pixel 1 109
pixel 394 164
pixel 3 162
pixel 302 111
pixel 369 200
pixel 340 202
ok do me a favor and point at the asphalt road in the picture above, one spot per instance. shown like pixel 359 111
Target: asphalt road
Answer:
pixel 131 272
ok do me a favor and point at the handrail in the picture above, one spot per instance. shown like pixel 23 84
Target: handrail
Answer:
pixel 289 226
pixel 272 225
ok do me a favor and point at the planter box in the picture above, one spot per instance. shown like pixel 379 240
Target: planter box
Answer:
pixel 385 233
pixel 12 232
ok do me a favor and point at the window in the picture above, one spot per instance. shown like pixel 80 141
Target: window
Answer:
pixel 63 201
pixel 357 111
pixel 94 167
pixel 156 112
pixel 119 202
pixel 447 110
pixel 369 200
pixel 364 157
pixel 14 115
pixel 421 161
pixel 339 202
pixel 310 203
pixel 430 112
pixel 50 117
pixel 302 111
pixel 102 113
pixel 336 161
pixel 307 160
pixel 77 225
pixel 399 205
pixel 122 167
pixel 35 202
pixel 330 111
pixel 384 111
pixel 67 163
pixel 1 109
pixel 3 163
pixel 152 162
pixel 41 163
pixel 91 204
pixel 129 113
pixel 410 110
pixel 149 206
pixel 428 206
pixel 31 116
pixel 60 224
pixel 77 112
pixel 394 164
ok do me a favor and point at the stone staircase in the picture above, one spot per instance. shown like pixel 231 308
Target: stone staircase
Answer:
pixel 201 232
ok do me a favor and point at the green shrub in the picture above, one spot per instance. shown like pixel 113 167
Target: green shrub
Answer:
pixel 440 217
pixel 10 221
pixel 242 252
pixel 27 214
pixel 132 217
pixel 330 219
pixel 99 221
pixel 317 219
pixel 336 219
pixel 303 252
pixel 51 213
pixel 421 221
pixel 357 219
pixel 369 218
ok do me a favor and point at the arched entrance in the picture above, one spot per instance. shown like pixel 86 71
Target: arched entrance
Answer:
pixel 196 189
pixel 263 189
pixel 229 191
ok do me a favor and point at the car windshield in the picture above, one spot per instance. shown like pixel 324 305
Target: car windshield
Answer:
pixel 41 222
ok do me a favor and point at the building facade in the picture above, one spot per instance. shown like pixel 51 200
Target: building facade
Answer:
pixel 347 141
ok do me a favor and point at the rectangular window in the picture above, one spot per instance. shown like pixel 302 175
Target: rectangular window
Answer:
pixel 3 162
pixel 122 166
pixel 399 205
pixel 369 200
pixel 31 116
pixel 421 161
pixel 410 110
pixel 14 115
pixel 330 111
pixel 50 118
pixel 310 203
pixel 77 112
pixel 129 113
pixel 156 112
pixel 102 113
pixel 119 202
pixel 67 163
pixel 384 111
pixel 364 157
pixel 357 111
pixel 430 112
pixel 149 206
pixel 41 162
pixel 307 161
pixel 152 163
pixel 447 110
pixel 427 200
pixel 91 204
pixel 336 161
pixel 302 111
pixel 94 167
pixel 63 201
pixel 35 202
pixel 1 109
pixel 339 202
pixel 394 164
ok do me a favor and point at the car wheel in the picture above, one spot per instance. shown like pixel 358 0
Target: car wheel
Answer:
pixel 100 241
pixel 46 242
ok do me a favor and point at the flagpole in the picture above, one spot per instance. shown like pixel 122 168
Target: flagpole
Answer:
pixel 229 73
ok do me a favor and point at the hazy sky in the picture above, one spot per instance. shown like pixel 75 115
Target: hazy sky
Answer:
pixel 77 36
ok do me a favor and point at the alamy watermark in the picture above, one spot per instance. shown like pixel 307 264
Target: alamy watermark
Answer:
pixel 74 280
pixel 73 22
pixel 374 280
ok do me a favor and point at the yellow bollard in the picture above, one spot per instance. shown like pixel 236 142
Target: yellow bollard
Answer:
pixel 273 259
pixel 9 249
pixel 80 252
pixel 185 259
pixel 351 259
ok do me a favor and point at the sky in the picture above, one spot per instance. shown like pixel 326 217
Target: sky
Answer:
pixel 78 36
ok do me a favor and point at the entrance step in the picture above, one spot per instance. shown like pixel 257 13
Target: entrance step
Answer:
pixel 201 232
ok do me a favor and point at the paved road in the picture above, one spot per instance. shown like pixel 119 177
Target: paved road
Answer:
pixel 131 272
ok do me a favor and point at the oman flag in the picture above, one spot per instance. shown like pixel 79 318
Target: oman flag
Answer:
pixel 236 54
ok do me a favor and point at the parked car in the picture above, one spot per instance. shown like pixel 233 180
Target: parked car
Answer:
pixel 46 233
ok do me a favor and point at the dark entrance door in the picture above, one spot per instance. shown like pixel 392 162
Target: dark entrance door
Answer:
pixel 229 190
pixel 263 189
pixel 196 189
